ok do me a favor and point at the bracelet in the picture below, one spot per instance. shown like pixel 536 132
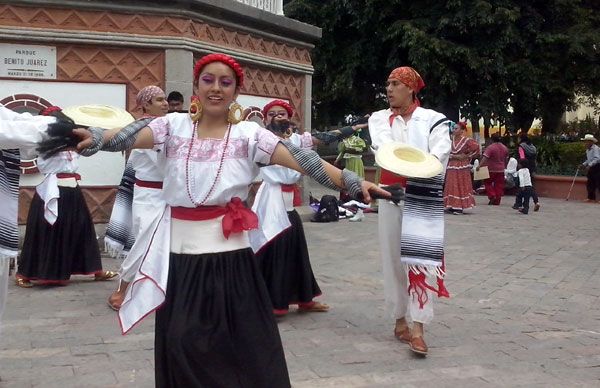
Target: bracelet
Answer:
pixel 97 141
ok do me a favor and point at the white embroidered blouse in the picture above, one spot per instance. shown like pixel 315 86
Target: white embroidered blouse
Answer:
pixel 65 162
pixel 191 165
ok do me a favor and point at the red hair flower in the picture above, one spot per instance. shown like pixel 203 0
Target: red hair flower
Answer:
pixel 49 110
pixel 281 103
pixel 223 58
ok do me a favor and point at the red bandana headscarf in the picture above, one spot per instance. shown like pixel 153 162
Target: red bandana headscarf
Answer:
pixel 147 94
pixel 409 76
pixel 288 108
pixel 223 58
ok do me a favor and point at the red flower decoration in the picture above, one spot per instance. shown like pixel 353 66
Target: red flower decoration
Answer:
pixel 223 58
pixel 280 103
pixel 49 110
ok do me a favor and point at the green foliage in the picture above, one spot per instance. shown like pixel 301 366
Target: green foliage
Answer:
pixel 571 154
pixel 580 127
pixel 479 56
pixel 556 158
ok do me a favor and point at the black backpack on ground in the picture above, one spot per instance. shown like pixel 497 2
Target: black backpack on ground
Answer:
pixel 328 210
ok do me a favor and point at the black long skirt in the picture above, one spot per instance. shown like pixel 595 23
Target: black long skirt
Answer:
pixel 285 266
pixel 216 327
pixel 69 247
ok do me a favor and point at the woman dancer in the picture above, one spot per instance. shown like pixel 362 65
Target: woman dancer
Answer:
pixel 60 239
pixel 458 189
pixel 283 256
pixel 215 325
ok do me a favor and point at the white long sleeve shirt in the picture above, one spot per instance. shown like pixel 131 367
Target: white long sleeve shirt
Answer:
pixel 22 130
pixel 524 177
pixel 592 156
pixel 415 132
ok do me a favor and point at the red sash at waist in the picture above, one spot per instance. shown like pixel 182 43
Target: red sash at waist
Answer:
pixel 389 178
pixel 237 217
pixel 288 188
pixel 65 175
pixel 293 188
pixel 149 184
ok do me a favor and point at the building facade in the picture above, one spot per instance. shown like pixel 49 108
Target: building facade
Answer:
pixel 74 52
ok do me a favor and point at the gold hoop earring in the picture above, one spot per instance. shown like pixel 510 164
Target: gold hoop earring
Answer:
pixel 236 114
pixel 195 109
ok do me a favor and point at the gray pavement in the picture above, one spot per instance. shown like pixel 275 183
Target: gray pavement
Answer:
pixel 524 311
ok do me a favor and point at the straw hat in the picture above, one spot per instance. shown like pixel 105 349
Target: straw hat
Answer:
pixel 403 159
pixel 589 137
pixel 103 116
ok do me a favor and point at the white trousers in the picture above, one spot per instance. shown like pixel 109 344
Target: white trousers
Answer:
pixel 147 205
pixel 395 274
pixel 4 268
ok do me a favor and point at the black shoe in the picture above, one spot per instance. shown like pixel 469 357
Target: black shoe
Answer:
pixel 516 207
pixel 523 211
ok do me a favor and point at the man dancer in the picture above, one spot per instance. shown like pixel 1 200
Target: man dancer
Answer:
pixel 147 196
pixel 409 284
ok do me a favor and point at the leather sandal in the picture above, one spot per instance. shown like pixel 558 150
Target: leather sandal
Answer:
pixel 403 335
pixel 105 275
pixel 418 346
pixel 314 307
pixel 114 301
pixel 23 283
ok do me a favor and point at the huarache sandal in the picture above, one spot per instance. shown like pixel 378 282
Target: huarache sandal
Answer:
pixel 403 335
pixel 418 346
pixel 104 275
pixel 313 307
pixel 24 283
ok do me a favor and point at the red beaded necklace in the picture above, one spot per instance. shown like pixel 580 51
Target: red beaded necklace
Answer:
pixel 187 167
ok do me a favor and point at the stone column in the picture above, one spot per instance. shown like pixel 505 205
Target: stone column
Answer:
pixel 303 183
pixel 307 102
pixel 179 65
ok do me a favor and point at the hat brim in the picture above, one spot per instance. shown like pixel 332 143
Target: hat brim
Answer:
pixel 592 139
pixel 104 116
pixel 403 159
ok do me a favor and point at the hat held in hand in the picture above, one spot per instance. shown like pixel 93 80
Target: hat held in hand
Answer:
pixel 408 161
pixel 103 116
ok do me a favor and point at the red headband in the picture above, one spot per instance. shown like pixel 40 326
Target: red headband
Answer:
pixel 281 103
pixel 225 59
pixel 408 76
pixel 49 110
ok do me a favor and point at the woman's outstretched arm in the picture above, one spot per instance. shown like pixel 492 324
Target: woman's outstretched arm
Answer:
pixel 309 163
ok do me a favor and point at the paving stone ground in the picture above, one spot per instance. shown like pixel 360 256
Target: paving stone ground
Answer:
pixel 524 311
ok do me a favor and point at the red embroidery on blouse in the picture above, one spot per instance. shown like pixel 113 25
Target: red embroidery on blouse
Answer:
pixel 206 150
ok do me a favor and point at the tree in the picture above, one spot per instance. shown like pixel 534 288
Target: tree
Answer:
pixel 505 60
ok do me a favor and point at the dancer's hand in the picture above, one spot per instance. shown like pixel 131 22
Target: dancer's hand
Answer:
pixel 85 138
pixel 371 191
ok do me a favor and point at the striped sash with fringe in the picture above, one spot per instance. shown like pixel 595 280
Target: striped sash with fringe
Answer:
pixel 422 240
pixel 9 202
pixel 119 237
